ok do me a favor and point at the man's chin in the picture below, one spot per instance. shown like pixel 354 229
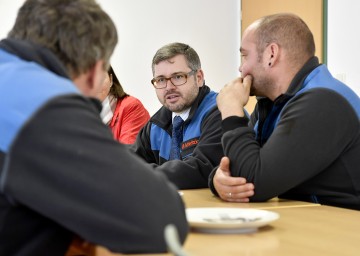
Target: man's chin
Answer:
pixel 179 108
pixel 174 108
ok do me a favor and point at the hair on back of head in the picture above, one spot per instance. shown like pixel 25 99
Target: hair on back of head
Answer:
pixel 79 32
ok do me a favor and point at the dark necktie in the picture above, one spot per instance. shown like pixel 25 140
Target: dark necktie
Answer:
pixel 176 138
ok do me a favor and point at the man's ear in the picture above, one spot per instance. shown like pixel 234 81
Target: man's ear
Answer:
pixel 89 82
pixel 199 75
pixel 96 74
pixel 95 78
pixel 272 54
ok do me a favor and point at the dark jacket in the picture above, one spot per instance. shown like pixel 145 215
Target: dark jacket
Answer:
pixel 62 173
pixel 304 146
pixel 201 146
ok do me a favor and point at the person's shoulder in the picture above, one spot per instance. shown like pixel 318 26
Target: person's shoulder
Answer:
pixel 208 99
pixel 131 101
pixel 322 102
pixel 322 96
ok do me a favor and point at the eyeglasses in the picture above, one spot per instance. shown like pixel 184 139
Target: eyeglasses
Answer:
pixel 176 79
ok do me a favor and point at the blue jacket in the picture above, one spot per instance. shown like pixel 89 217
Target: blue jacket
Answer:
pixel 320 78
pixel 63 175
pixel 305 145
pixel 201 146
pixel 160 139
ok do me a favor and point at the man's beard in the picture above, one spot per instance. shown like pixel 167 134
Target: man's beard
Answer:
pixel 260 86
pixel 252 91
pixel 177 108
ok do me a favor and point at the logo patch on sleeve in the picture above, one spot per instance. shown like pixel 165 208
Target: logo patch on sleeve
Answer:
pixel 187 147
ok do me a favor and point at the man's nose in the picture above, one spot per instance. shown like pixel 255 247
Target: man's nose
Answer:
pixel 169 84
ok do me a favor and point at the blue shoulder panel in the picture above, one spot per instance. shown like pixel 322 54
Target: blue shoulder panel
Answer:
pixel 193 129
pixel 24 88
pixel 161 140
pixel 321 78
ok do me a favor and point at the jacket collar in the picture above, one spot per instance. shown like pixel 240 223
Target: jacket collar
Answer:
pixel 298 81
pixel 296 84
pixel 163 117
pixel 29 51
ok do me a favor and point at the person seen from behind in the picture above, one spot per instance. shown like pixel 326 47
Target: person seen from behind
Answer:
pixel 62 174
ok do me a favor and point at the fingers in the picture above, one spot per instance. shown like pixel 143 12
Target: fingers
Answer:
pixel 247 81
pixel 231 189
pixel 225 165
pixel 223 178
pixel 239 81
pixel 238 193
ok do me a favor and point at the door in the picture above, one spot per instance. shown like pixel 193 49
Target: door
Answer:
pixel 311 11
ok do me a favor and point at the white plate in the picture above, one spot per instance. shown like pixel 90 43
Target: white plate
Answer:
pixel 228 220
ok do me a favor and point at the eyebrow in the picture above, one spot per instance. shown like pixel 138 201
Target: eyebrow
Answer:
pixel 175 73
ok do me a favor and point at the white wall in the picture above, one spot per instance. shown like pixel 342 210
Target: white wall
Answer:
pixel 8 12
pixel 210 27
pixel 344 41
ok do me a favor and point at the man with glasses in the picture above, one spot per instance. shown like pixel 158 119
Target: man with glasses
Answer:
pixel 180 87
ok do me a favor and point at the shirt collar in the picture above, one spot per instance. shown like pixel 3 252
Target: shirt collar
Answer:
pixel 184 115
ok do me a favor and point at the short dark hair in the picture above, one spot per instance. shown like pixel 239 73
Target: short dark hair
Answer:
pixel 79 32
pixel 289 31
pixel 171 50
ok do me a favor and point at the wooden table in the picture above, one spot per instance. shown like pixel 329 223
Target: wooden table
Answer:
pixel 302 229
pixel 310 231
pixel 204 198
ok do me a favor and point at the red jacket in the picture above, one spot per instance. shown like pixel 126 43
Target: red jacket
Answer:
pixel 129 117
